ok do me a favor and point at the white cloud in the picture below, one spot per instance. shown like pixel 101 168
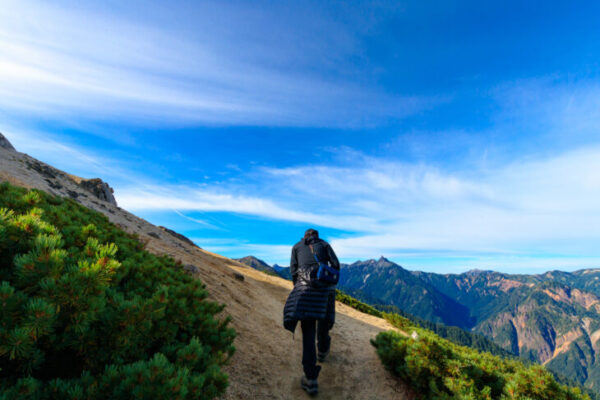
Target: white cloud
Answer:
pixel 61 61
pixel 238 249
pixel 166 197
pixel 527 208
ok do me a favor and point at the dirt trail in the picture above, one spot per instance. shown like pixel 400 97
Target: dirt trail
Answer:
pixel 267 363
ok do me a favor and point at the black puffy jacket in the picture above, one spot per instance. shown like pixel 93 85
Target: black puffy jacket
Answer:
pixel 309 299
pixel 303 260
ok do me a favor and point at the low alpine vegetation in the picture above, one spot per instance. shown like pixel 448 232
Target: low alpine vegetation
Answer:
pixel 357 304
pixel 86 312
pixel 439 369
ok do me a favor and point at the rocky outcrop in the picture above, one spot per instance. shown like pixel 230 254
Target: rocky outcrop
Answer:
pixel 100 189
pixel 44 170
pixel 56 179
pixel 191 269
pixel 5 144
pixel 178 236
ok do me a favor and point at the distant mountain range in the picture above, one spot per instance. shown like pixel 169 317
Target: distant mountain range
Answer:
pixel 258 264
pixel 551 318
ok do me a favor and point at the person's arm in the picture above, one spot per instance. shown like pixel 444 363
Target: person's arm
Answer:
pixel 294 265
pixel 333 260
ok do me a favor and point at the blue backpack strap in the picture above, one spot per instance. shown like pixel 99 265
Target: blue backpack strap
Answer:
pixel 314 254
pixel 325 273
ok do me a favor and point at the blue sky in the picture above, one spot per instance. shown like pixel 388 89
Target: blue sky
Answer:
pixel 444 136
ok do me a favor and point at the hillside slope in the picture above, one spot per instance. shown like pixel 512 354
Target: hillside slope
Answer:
pixel 267 363
pixel 392 284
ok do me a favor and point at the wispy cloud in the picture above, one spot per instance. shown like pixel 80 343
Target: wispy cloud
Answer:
pixel 216 199
pixel 240 248
pixel 57 61
pixel 527 208
pixel 196 220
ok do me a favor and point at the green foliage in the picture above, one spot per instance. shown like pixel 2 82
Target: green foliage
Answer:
pixel 272 273
pixel 86 312
pixel 452 333
pixel 356 304
pixel 439 369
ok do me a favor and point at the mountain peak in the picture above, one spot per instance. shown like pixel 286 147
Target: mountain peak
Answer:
pixel 384 262
pixel 251 259
pixel 255 263
pixel 476 271
pixel 5 144
pixel 381 262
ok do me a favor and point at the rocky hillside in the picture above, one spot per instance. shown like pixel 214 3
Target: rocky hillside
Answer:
pixel 21 169
pixel 267 362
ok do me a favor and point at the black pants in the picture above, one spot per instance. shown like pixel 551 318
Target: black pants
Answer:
pixel 310 328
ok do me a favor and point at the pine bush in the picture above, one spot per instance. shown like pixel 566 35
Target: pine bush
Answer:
pixel 439 369
pixel 87 313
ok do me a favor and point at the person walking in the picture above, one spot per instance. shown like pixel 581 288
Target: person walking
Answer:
pixel 312 302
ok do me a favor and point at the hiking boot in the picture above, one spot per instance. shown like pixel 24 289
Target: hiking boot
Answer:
pixel 310 386
pixel 322 356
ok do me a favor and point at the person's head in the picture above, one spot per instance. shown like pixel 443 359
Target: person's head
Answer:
pixel 311 233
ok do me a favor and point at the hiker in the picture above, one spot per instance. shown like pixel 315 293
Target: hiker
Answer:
pixel 312 302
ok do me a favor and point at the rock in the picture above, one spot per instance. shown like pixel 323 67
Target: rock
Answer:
pixel 5 144
pixel 54 184
pixel 191 269
pixel 154 235
pixel 100 189
pixel 41 168
pixel 178 236
pixel 238 276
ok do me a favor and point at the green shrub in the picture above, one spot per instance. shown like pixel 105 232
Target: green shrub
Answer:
pixel 87 313
pixel 356 304
pixel 439 369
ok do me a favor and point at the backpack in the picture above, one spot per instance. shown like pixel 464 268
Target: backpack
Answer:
pixel 325 273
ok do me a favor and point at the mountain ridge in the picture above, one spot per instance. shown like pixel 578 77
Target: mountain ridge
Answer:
pixel 552 318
